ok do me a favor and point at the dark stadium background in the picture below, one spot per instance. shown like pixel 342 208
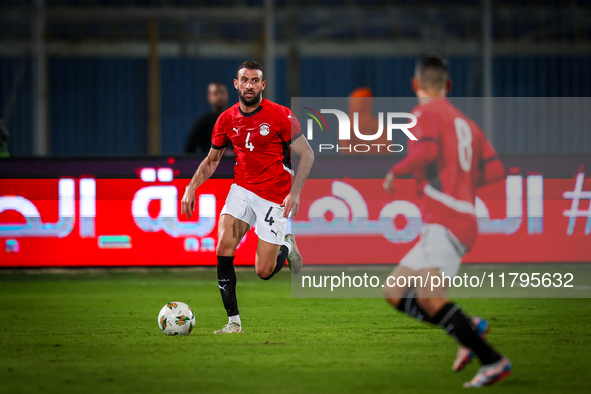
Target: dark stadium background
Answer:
pixel 77 76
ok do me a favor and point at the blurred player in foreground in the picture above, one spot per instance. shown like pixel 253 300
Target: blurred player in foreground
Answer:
pixel 263 134
pixel 450 160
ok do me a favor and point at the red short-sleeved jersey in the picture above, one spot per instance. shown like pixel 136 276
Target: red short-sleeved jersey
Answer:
pixel 449 182
pixel 261 142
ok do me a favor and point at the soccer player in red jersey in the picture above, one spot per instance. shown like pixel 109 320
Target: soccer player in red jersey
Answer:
pixel 263 135
pixel 450 160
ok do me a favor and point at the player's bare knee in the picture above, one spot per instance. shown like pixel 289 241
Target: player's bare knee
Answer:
pixel 225 248
pixel 390 294
pixel 425 303
pixel 221 249
pixel 393 301
pixel 431 305
pixel 264 272
pixel 393 293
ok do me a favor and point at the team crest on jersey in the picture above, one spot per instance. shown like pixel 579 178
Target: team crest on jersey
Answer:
pixel 264 129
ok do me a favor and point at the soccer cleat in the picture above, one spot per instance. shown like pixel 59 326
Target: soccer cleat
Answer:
pixel 490 374
pixel 465 355
pixel 294 259
pixel 229 328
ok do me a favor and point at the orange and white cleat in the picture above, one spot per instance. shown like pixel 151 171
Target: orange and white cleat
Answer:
pixel 490 374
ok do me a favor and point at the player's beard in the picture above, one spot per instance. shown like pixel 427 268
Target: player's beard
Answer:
pixel 253 101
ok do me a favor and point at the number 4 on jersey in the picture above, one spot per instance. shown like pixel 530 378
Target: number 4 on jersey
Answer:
pixel 248 144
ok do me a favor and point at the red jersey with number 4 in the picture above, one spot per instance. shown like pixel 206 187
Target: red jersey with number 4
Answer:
pixel 450 159
pixel 261 142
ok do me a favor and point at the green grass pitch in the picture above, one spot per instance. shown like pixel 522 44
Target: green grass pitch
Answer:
pixel 96 332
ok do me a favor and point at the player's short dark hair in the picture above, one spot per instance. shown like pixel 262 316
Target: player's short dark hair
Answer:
pixel 432 70
pixel 250 65
pixel 216 83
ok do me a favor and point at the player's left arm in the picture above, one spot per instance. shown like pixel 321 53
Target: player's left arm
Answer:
pixel 490 166
pixel 301 147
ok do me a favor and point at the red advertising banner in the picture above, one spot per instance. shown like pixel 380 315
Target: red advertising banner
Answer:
pixel 524 219
pixel 136 222
pixel 110 222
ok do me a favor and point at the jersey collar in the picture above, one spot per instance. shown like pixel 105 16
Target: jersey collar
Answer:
pixel 256 111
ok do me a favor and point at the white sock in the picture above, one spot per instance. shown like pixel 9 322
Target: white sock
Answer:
pixel 288 246
pixel 288 231
pixel 236 319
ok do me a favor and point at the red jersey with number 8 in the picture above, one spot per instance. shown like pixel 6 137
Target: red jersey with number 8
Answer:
pixel 449 160
pixel 261 141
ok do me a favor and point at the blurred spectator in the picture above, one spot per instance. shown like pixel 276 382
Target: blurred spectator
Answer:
pixel 199 139
pixel 361 101
pixel 3 140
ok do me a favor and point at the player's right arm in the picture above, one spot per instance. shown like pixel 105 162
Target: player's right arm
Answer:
pixel 203 173
pixel 219 141
pixel 424 151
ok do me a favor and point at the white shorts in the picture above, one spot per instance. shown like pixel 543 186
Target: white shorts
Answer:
pixel 437 248
pixel 250 208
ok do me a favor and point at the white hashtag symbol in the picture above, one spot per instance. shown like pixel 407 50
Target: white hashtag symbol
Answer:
pixel 574 212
